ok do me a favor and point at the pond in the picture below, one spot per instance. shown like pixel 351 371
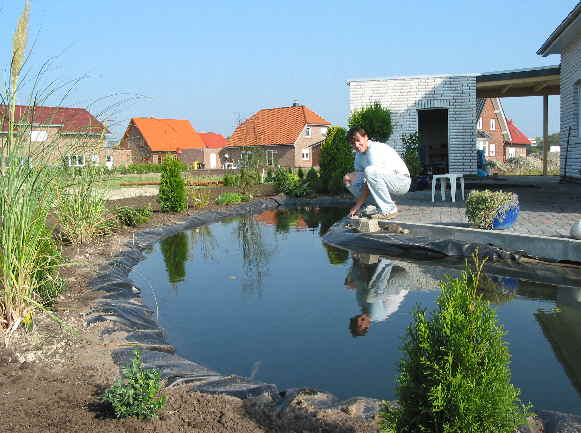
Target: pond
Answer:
pixel 262 296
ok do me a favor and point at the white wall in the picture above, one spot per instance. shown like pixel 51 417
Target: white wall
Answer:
pixel 570 75
pixel 405 95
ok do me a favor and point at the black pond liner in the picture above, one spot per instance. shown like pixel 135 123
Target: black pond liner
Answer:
pixel 122 308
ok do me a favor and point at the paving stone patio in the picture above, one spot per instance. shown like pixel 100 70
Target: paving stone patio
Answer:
pixel 548 208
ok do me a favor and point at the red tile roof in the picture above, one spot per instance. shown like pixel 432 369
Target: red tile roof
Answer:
pixel 517 136
pixel 212 140
pixel 71 120
pixel 275 126
pixel 168 135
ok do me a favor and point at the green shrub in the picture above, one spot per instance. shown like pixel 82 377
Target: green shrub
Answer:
pixel 455 374
pixel 231 180
pixel 269 176
pixel 133 216
pixel 199 197
pixel 301 173
pixel 483 206
pixel 285 181
pixel 312 178
pixel 136 394
pixel 411 153
pixel 376 121
pixel 231 198
pixel 172 190
pixel 336 160
pixel 249 176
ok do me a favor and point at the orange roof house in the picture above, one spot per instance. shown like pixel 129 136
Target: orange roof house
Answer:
pixel 286 134
pixel 151 139
pixel 212 140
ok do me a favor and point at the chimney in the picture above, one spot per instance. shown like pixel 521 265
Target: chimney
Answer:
pixel 295 103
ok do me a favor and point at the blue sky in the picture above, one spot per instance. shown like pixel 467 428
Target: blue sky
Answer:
pixel 215 62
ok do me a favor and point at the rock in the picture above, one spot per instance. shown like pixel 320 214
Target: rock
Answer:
pixel 365 225
pixel 576 230
pixel 557 422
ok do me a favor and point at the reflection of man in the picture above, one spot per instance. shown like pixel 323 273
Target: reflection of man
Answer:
pixel 378 297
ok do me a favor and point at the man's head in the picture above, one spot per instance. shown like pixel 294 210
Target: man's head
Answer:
pixel 359 325
pixel 357 136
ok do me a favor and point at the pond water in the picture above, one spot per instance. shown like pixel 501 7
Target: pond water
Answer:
pixel 262 296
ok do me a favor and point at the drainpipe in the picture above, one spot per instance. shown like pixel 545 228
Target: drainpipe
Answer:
pixel 545 132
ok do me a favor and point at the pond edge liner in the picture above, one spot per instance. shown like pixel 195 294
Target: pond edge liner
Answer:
pixel 122 307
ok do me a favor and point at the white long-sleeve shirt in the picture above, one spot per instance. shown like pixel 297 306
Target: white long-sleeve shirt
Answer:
pixel 381 155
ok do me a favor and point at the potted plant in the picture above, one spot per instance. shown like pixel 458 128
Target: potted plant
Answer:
pixel 492 209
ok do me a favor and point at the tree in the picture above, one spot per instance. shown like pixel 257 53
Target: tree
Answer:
pixel 172 189
pixel 376 121
pixel 336 160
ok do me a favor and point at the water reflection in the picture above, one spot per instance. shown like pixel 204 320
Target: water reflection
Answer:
pixel 562 328
pixel 203 238
pixel 379 285
pixel 255 253
pixel 175 251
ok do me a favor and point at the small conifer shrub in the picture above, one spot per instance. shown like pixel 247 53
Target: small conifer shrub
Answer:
pixel 172 189
pixel 336 160
pixel 455 372
pixel 137 393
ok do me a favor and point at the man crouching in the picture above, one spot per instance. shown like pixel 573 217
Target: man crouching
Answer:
pixel 379 173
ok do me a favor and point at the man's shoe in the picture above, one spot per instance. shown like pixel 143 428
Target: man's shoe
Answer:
pixel 385 216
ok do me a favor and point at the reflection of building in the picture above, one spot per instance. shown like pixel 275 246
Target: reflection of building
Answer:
pixel 562 328
pixel 275 217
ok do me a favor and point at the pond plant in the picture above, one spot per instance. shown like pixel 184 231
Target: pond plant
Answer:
pixel 136 394
pixel 487 209
pixel 411 153
pixel 455 371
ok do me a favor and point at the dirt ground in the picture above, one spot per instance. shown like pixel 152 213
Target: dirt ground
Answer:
pixel 51 378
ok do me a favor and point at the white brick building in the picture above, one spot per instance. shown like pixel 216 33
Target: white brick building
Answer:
pixel 441 108
pixel 566 41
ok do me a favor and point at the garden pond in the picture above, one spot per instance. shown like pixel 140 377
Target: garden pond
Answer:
pixel 262 296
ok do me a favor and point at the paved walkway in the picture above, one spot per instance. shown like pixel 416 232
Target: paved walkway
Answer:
pixel 548 208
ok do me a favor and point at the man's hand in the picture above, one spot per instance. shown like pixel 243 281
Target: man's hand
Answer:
pixel 354 210
pixel 347 179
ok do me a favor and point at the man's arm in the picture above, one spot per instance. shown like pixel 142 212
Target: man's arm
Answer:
pixel 360 200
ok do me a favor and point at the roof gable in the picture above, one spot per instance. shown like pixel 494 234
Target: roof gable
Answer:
pixel 275 126
pixel 569 29
pixel 69 120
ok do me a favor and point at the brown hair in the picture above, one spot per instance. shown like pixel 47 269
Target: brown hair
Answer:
pixel 356 331
pixel 355 130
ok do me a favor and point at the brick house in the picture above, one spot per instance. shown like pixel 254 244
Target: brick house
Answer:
pixel 151 140
pixel 517 146
pixel 441 108
pixel 492 121
pixel 287 134
pixel 60 135
pixel 566 41
pixel 209 156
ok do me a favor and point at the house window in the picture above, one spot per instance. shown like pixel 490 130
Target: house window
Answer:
pixel 306 154
pixel 485 149
pixel 38 135
pixel 109 158
pixel 75 160
pixel 493 124
pixel 95 159
pixel 479 125
pixel 270 158
pixel 492 149
pixel 324 130
pixel 511 152
pixel 308 131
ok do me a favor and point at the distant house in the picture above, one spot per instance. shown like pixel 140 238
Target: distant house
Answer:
pixel 517 146
pixel 566 41
pixel 151 140
pixel 208 156
pixel 497 136
pixel 286 134
pixel 58 135
pixel 491 122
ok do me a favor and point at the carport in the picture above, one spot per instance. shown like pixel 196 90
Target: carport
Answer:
pixel 542 81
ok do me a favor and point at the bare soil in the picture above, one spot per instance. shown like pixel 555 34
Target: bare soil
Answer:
pixel 51 378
